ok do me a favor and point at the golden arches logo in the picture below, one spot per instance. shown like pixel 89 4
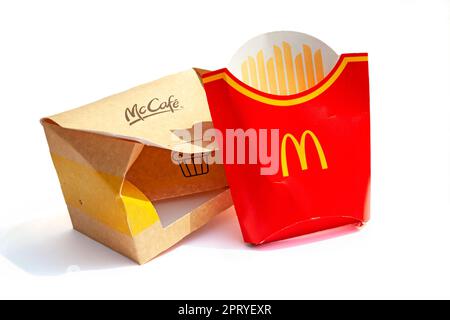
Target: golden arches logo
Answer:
pixel 300 147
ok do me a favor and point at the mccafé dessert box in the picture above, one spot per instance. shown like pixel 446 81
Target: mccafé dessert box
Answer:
pixel 313 106
pixel 114 160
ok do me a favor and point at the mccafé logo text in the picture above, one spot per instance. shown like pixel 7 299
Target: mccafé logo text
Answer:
pixel 252 147
pixel 154 107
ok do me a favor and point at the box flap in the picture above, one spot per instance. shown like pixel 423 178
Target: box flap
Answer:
pixel 149 113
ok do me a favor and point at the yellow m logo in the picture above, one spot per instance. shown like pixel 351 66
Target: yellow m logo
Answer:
pixel 300 147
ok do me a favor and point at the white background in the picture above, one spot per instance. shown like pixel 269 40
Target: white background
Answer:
pixel 56 55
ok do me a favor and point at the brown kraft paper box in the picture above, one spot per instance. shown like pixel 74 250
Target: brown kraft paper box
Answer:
pixel 113 160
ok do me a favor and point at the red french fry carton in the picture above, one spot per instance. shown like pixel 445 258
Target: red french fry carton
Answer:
pixel 322 118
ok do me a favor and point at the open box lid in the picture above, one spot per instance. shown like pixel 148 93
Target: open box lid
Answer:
pixel 149 113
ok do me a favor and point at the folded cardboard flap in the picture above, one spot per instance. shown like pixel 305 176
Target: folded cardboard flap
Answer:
pixel 153 240
pixel 171 210
pixel 148 113
pixel 114 162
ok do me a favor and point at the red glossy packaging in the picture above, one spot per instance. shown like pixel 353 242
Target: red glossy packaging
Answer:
pixel 324 176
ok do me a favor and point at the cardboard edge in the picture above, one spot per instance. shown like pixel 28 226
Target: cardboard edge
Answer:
pixel 199 72
pixel 45 121
pixel 94 229
pixel 154 240
pixel 181 228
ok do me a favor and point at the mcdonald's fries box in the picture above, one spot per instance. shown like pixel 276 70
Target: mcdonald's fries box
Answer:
pixel 120 179
pixel 307 111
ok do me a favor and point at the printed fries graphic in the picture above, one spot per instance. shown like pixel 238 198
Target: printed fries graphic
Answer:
pixel 301 73
pixel 285 67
